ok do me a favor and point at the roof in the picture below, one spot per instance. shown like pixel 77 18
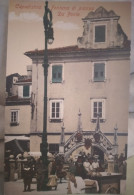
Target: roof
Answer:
pixel 24 80
pixel 74 52
pixel 101 13
pixel 10 138
pixel 13 75
pixel 74 48
pixel 21 78
pixel 15 100
pixel 55 50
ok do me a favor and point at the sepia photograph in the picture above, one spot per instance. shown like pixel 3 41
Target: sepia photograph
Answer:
pixel 67 98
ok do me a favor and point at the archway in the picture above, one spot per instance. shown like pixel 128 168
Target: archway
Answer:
pixel 102 146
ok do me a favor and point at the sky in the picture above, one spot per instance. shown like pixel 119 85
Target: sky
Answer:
pixel 26 30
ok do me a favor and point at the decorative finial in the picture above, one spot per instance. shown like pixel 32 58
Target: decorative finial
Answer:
pixel 79 122
pixel 115 135
pixel 63 124
pixel 62 139
pixel 116 128
pixel 97 129
pixel 47 19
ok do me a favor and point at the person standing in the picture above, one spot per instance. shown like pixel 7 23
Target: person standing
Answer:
pixel 27 177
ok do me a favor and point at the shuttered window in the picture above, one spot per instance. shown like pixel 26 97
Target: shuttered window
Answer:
pixel 57 74
pixel 99 72
pixel 100 33
pixel 26 91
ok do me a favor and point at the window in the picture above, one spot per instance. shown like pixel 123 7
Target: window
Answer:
pixel 14 118
pixel 98 107
pixel 54 148
pixel 100 33
pixel 99 72
pixel 26 90
pixel 56 110
pixel 57 74
pixel 15 79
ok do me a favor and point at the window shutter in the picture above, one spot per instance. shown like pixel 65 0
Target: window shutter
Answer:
pixel 57 74
pixel 26 91
pixel 99 72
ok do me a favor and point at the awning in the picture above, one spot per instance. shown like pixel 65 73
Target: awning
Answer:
pixel 11 138
pixel 16 144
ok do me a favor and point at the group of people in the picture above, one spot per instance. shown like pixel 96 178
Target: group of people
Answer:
pixel 52 172
pixel 86 169
pixel 79 175
pixel 83 167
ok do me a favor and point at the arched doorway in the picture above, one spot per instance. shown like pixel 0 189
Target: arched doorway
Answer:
pixel 102 146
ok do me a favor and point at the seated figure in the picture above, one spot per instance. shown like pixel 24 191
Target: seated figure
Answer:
pixel 76 185
pixel 87 166
pixel 95 165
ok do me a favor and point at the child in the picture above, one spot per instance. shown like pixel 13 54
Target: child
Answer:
pixel 27 177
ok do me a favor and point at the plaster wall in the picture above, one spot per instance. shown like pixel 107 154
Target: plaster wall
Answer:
pixel 112 38
pixel 14 90
pixel 78 89
pixel 24 119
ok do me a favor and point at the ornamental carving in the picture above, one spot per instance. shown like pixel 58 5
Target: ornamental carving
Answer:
pixel 97 137
pixel 88 143
pixel 78 137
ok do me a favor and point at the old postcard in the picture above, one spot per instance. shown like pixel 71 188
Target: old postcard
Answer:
pixel 67 101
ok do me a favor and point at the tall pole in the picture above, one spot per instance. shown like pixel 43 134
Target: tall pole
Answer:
pixel 47 21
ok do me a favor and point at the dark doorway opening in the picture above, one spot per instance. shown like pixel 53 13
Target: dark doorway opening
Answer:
pixel 99 152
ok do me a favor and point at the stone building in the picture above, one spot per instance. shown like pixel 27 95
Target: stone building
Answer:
pixel 87 89
pixel 18 112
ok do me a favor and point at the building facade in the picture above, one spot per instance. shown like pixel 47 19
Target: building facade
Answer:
pixel 18 112
pixel 87 85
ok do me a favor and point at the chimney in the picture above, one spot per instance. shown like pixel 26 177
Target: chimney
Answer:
pixel 29 70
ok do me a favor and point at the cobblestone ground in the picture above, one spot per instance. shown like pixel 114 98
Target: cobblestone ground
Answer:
pixel 16 188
